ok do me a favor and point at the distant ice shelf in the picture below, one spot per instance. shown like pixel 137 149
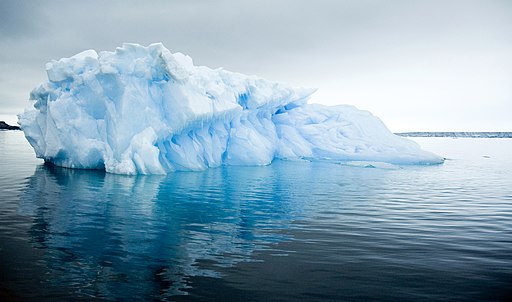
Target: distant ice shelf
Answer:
pixel 458 134
pixel 145 110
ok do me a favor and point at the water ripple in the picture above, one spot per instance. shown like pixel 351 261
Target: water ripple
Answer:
pixel 291 230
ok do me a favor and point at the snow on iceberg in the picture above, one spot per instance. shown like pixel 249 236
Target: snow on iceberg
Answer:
pixel 145 110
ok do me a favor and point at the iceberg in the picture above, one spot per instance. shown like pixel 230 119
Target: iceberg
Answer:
pixel 145 110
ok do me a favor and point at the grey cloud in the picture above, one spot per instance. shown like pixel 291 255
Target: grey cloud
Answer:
pixel 308 43
pixel 20 19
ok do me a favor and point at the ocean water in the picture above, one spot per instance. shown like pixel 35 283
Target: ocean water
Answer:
pixel 291 231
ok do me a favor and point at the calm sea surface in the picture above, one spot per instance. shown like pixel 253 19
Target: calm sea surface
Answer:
pixel 291 231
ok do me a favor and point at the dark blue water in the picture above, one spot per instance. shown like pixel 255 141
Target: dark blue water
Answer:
pixel 291 231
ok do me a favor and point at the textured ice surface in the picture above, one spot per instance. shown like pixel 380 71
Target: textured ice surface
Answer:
pixel 146 110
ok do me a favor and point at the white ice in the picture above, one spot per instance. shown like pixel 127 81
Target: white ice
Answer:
pixel 145 110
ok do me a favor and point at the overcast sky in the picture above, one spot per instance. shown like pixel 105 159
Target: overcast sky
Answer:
pixel 418 65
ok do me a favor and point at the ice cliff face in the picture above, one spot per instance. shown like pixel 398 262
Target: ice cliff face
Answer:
pixel 146 110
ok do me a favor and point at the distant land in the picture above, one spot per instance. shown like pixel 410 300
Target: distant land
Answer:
pixel 5 126
pixel 458 134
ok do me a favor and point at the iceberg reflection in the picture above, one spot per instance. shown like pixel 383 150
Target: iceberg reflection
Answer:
pixel 102 233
